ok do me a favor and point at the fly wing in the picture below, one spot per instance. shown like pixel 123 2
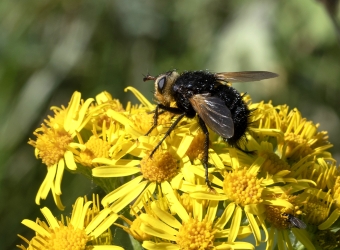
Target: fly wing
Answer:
pixel 245 76
pixel 214 113
pixel 298 223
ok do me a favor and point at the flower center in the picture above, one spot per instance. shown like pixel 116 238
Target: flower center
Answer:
pixel 52 144
pixel 276 218
pixel 316 211
pixel 273 163
pixel 95 148
pixel 327 239
pixel 161 167
pixel 196 234
pixel 67 238
pixel 242 187
pixel 297 147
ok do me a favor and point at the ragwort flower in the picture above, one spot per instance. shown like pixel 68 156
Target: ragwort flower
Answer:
pixel 55 144
pixel 86 229
pixel 202 231
pixel 168 164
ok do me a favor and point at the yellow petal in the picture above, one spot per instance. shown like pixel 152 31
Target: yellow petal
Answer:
pixel 223 220
pixel 256 209
pixel 184 145
pixel 303 237
pixel 157 228
pixel 59 176
pixel 330 220
pixel 121 191
pixel 140 97
pixel 281 242
pixel 208 196
pixel 37 228
pixel 173 201
pixel 77 211
pixel 119 117
pixel 279 202
pixel 235 224
pixel 159 246
pixel 255 228
pixel 79 123
pixel 215 160
pixel 104 225
pixel 48 182
pixel 212 210
pixel 128 198
pixel 140 201
pixel 114 171
pixel 270 242
pixel 72 110
pixel 69 158
pixel 57 200
pixel 165 217
pixel 84 214
pixel 106 247
pixel 97 220
pixel 236 245
pixel 49 217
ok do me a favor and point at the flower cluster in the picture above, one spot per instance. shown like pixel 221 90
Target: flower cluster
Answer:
pixel 283 171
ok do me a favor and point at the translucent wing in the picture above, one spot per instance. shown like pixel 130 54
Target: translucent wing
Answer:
pixel 245 76
pixel 296 222
pixel 214 113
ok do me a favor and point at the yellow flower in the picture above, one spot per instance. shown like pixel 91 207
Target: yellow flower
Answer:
pixel 168 164
pixel 55 145
pixel 86 229
pixel 188 232
pixel 98 111
pixel 285 172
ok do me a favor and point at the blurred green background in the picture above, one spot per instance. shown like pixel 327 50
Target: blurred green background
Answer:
pixel 49 49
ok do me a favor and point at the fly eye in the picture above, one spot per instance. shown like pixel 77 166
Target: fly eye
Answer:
pixel 161 84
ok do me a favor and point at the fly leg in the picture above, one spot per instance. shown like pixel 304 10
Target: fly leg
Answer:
pixel 206 151
pixel 155 122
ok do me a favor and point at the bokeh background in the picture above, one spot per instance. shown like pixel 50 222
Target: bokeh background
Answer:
pixel 49 49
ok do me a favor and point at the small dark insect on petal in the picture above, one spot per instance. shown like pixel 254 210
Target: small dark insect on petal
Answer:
pixel 295 222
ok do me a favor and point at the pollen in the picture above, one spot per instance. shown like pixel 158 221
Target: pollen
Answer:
pixel 276 218
pixel 273 163
pixel 67 238
pixel 51 144
pixel 243 187
pixel 196 235
pixel 160 167
pixel 196 148
pixel 95 148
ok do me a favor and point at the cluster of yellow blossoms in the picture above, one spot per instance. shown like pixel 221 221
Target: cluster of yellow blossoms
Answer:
pixel 163 202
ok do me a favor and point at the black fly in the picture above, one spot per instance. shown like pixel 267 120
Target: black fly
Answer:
pixel 207 95
pixel 295 222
